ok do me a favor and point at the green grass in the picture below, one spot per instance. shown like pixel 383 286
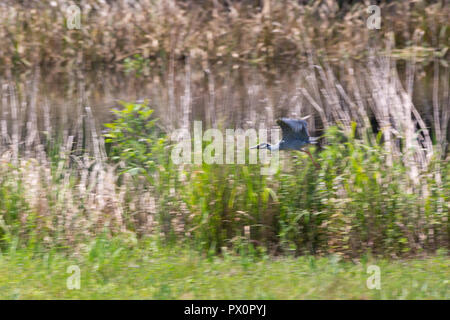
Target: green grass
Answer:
pixel 110 270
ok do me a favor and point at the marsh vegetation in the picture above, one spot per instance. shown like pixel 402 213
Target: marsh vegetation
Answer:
pixel 73 171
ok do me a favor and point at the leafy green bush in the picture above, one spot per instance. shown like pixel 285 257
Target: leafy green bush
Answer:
pixel 143 151
pixel 138 64
pixel 135 140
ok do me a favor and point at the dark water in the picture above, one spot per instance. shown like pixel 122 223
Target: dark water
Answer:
pixel 224 97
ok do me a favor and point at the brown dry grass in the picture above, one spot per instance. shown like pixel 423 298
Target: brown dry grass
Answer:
pixel 279 34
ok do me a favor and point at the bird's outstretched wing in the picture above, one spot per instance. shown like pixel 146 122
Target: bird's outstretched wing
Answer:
pixel 294 129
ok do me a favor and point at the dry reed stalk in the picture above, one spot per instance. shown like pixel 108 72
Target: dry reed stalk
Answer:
pixel 329 81
pixel 171 84
pixel 81 101
pixel 47 122
pixel 32 125
pixel 6 140
pixel 445 111
pixel 15 124
pixel 316 107
pixel 210 107
pixel 186 98
pixel 360 106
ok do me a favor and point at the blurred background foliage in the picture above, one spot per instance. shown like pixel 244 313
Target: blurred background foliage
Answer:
pixel 263 33
pixel 71 170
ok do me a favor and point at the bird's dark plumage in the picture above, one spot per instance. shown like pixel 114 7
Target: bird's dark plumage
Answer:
pixel 295 137
pixel 294 129
pixel 295 134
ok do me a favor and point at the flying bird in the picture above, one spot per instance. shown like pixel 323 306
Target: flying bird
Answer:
pixel 295 137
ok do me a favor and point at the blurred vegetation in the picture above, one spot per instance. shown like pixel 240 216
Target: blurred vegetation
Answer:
pixel 383 186
pixel 356 203
pixel 118 269
pixel 265 33
pixel 99 190
pixel 135 140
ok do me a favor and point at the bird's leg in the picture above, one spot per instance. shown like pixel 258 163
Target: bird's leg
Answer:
pixel 312 159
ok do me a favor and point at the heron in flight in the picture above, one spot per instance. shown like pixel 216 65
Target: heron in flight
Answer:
pixel 295 137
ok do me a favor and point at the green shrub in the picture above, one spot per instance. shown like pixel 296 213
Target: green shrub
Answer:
pixel 143 151
pixel 135 140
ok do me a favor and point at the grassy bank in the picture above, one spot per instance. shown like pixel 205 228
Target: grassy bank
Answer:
pixel 110 270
